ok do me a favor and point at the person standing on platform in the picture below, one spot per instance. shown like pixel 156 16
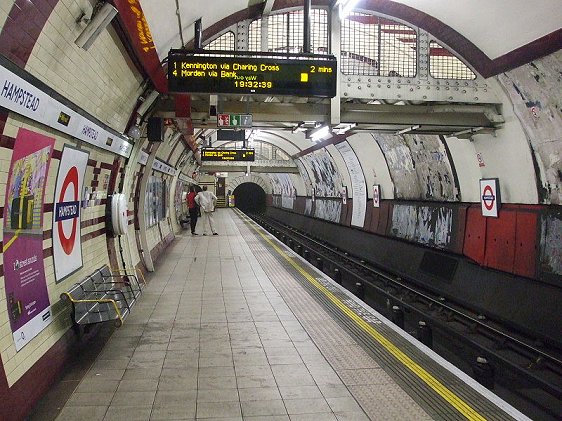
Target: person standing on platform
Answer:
pixel 193 210
pixel 207 201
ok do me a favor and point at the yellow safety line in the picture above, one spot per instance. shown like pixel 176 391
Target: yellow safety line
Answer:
pixel 9 243
pixel 458 403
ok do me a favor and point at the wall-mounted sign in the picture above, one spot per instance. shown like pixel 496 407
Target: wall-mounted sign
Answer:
pixel 490 196
pixel 344 195
pixel 376 195
pixel 22 97
pixel 234 120
pixel 29 308
pixel 67 242
pixel 213 154
pixel 251 75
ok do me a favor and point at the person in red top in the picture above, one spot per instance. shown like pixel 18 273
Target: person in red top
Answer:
pixel 193 211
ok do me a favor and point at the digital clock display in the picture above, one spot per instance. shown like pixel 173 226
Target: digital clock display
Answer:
pixel 250 75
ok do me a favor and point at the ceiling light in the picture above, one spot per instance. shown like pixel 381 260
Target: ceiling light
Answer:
pixel 408 129
pixel 319 134
pixel 345 7
pixel 343 128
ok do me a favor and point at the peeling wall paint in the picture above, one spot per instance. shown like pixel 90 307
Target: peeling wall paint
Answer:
pixel 535 90
pixel 419 167
pixel 551 243
pixel 428 225
pixel 322 173
pixel 283 186
pixel 327 209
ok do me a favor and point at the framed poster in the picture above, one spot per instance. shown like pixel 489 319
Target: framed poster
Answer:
pixel 376 195
pixel 67 242
pixel 490 198
pixel 29 308
pixel 358 184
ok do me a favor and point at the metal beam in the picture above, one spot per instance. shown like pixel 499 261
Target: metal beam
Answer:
pixel 267 7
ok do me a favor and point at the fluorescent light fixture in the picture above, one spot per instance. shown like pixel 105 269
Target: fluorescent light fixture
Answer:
pixel 345 7
pixel 467 132
pixel 343 128
pixel 96 25
pixel 408 129
pixel 320 134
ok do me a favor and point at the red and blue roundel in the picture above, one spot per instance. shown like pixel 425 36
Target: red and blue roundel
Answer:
pixel 68 210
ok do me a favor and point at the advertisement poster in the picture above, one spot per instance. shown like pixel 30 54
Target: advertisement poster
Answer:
pixel 67 243
pixel 27 297
pixel 358 186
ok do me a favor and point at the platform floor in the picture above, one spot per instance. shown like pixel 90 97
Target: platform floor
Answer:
pixel 225 330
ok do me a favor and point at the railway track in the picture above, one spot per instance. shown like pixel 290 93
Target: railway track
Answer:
pixel 520 369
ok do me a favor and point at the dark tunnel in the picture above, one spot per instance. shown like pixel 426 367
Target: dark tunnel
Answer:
pixel 249 197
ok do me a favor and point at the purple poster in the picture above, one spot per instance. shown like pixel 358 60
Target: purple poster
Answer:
pixel 24 273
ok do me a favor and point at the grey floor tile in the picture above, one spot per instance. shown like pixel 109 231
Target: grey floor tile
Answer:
pixel 133 398
pixel 129 413
pixel 217 395
pixel 137 385
pixel 300 392
pixel 175 383
pixel 218 409
pixel 307 406
pixel 97 385
pixel 175 397
pixel 255 381
pixel 344 404
pixel 90 399
pixel 217 371
pixel 185 411
pixel 254 408
pixel 259 393
pixel 81 413
pixel 334 391
pixel 217 383
pixel 326 416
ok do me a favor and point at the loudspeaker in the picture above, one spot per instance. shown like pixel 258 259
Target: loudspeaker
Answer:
pixel 155 129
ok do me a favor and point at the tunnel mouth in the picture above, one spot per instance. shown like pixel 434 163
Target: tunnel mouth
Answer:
pixel 249 198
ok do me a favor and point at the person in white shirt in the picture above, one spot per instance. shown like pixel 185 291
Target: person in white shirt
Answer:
pixel 207 202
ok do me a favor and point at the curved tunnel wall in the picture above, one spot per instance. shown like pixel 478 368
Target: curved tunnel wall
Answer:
pixel 104 84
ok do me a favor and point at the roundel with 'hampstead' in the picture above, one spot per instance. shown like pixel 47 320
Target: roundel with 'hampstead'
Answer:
pixel 68 209
pixel 67 246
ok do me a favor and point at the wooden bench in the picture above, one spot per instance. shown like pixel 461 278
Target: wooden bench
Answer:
pixel 103 296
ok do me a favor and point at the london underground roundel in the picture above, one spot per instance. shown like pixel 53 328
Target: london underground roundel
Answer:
pixel 68 210
pixel 490 197
pixel 67 246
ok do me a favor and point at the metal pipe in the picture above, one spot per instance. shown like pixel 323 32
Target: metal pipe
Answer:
pixel 306 46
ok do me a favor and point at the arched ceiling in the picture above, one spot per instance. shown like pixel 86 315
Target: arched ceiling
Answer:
pixel 495 28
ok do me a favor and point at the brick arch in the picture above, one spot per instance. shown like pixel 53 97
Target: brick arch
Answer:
pixel 255 179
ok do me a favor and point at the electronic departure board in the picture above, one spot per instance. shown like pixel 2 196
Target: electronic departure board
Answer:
pixel 251 75
pixel 214 154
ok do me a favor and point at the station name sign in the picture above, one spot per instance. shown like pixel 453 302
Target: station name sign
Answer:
pixel 214 154
pixel 250 75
